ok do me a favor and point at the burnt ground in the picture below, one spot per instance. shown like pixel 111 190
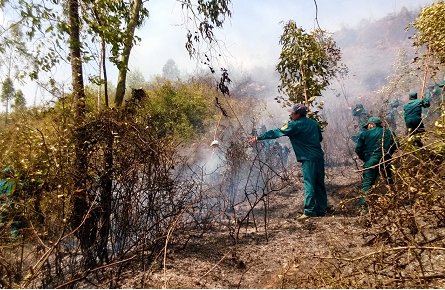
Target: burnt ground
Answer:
pixel 283 254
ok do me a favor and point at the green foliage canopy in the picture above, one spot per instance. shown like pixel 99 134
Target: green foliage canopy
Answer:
pixel 431 30
pixel 8 91
pixel 109 20
pixel 307 63
pixel 19 100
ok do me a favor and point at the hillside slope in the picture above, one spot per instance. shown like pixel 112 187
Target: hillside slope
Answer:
pixel 370 50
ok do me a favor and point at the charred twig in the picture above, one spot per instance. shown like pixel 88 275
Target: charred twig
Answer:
pixel 88 272
pixel 214 266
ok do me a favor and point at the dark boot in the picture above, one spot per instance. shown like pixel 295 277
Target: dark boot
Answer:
pixel 417 142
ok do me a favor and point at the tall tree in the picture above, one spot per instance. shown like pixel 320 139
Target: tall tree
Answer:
pixel 19 100
pixel 135 78
pixel 308 61
pixel 114 22
pixel 207 15
pixel 133 22
pixel 15 58
pixel 170 70
pixel 15 61
pixel 79 220
pixel 8 93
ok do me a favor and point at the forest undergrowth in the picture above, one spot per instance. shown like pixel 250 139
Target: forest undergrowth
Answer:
pixel 212 217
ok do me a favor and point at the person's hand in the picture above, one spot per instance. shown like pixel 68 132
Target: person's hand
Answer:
pixel 253 140
pixel 349 108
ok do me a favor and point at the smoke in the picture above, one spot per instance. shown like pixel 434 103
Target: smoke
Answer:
pixel 234 171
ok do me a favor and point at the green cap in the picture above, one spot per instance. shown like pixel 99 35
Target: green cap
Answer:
pixel 441 85
pixel 375 120
pixel 413 95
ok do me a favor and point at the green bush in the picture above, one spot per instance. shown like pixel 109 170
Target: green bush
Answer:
pixel 179 108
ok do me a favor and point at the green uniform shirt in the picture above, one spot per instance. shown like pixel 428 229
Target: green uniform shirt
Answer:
pixel 304 135
pixel 369 145
pixel 362 117
pixel 413 109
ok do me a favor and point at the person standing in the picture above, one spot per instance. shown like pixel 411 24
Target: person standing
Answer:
pixel 413 116
pixel 286 152
pixel 305 137
pixel 429 92
pixel 391 114
pixel 276 156
pixel 360 116
pixel 374 146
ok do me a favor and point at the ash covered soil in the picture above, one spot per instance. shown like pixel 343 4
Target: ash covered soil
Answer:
pixel 265 257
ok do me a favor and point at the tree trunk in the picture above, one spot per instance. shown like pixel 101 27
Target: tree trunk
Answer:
pixel 120 89
pixel 105 75
pixel 76 62
pixel 105 201
pixel 85 233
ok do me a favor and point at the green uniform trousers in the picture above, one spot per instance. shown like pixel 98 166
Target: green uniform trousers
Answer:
pixel 315 199
pixel 414 125
pixel 370 176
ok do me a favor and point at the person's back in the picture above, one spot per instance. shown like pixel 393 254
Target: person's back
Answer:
pixel 413 109
pixel 413 113
pixel 375 145
pixel 369 146
pixel 307 139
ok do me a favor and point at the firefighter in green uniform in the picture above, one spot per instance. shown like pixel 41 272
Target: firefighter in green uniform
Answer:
pixel 432 95
pixel 8 185
pixel 361 116
pixel 391 113
pixel 305 137
pixel 434 92
pixel 374 146
pixel 413 115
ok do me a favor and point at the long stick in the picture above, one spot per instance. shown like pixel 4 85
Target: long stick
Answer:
pixel 304 87
pixel 214 137
pixel 426 72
